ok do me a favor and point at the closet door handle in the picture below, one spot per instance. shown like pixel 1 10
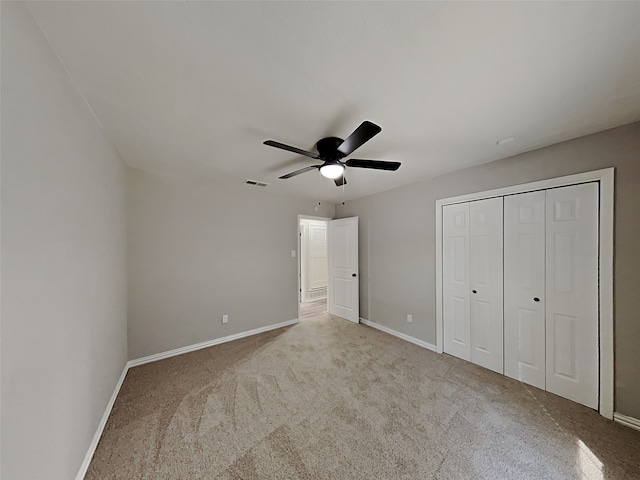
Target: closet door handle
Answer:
pixel 474 291
pixel 536 299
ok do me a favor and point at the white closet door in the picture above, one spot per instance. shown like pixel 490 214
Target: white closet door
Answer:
pixel 572 293
pixel 486 283
pixel 524 288
pixel 455 279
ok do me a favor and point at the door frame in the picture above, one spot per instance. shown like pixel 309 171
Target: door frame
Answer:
pixel 299 253
pixel 605 179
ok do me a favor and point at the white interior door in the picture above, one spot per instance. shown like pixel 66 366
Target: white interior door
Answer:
pixel 572 293
pixel 486 283
pixel 524 287
pixel 344 285
pixel 455 280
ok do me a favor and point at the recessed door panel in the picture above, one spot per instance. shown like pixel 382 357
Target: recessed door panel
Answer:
pixel 486 283
pixel 524 287
pixel 527 243
pixel 564 250
pixel 343 293
pixel 341 236
pixel 455 279
pixel 481 326
pixel 527 324
pixel 482 263
pixel 459 318
pixel 572 293
pixel 459 259
pixel 564 347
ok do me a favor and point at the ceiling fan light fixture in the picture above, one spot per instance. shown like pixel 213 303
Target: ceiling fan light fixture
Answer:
pixel 332 170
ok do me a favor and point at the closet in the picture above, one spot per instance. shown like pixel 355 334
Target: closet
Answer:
pixel 520 287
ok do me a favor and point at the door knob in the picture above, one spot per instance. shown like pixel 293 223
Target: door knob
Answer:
pixel 536 299
pixel 474 291
pixel 353 274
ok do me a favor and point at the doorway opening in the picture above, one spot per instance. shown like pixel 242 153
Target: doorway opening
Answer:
pixel 312 266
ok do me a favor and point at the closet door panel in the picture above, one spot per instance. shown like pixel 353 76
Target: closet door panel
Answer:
pixel 486 283
pixel 455 279
pixel 572 293
pixel 524 282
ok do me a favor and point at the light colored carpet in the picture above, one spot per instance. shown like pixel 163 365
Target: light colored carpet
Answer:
pixel 331 399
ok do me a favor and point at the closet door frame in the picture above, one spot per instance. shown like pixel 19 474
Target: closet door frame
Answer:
pixel 605 179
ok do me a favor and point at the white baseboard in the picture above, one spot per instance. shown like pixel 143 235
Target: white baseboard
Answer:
pixel 627 421
pixel 209 343
pixel 403 336
pixel 103 421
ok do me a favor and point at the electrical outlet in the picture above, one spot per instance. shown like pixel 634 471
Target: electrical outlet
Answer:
pixel 409 318
pixel 225 318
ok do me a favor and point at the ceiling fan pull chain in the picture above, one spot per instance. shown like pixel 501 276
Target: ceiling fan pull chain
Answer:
pixel 317 207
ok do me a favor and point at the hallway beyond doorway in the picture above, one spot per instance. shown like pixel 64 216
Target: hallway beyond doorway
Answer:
pixel 313 309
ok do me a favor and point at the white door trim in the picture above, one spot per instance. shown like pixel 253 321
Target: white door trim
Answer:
pixel 605 177
pixel 299 250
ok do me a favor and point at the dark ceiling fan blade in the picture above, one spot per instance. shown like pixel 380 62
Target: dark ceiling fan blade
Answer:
pixel 298 172
pixel 376 164
pixel 341 180
pixel 273 143
pixel 365 132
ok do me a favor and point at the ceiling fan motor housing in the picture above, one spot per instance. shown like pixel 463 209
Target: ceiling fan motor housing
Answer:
pixel 328 148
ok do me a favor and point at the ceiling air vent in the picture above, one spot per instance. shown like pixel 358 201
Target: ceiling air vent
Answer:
pixel 256 183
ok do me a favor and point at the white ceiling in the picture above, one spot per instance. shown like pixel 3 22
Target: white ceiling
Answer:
pixel 198 86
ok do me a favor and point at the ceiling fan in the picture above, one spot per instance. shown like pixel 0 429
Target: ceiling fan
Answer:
pixel 331 150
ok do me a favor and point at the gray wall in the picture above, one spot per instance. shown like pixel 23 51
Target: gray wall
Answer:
pixel 198 249
pixel 397 240
pixel 63 330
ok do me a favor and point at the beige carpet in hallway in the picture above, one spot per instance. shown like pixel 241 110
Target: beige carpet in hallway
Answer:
pixel 329 399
